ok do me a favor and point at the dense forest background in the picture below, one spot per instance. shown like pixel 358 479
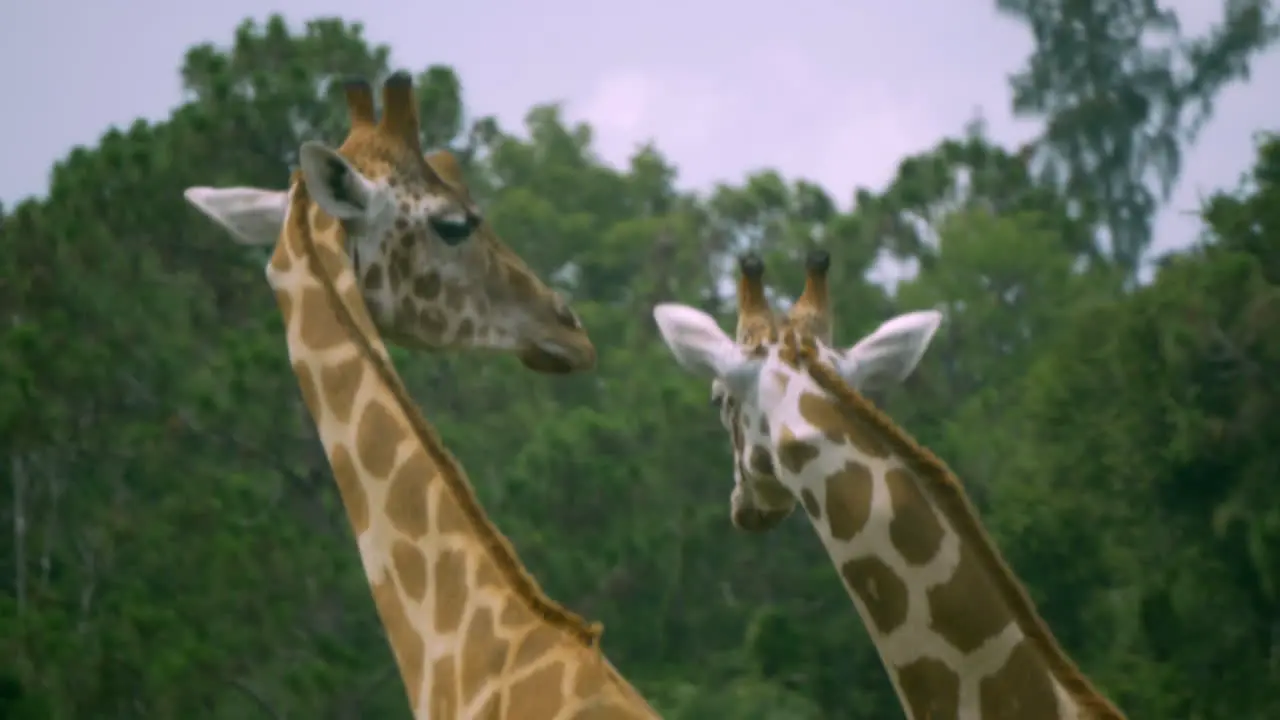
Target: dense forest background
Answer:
pixel 172 543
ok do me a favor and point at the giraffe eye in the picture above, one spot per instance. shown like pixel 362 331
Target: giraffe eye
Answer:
pixel 454 230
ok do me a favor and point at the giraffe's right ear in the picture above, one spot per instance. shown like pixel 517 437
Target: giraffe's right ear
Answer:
pixel 253 216
pixel 701 347
pixel 889 354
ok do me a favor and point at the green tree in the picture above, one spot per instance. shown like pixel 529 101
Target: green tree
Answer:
pixel 1123 92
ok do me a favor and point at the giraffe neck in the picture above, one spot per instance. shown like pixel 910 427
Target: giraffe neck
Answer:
pixel 952 624
pixel 472 633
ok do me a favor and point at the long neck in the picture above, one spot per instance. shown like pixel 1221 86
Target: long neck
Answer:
pixel 952 624
pixel 472 633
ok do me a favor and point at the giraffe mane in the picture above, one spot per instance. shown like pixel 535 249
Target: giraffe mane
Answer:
pixel 959 511
pixel 498 546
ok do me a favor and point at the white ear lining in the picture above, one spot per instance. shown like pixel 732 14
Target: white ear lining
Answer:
pixel 702 347
pixel 253 216
pixel 892 352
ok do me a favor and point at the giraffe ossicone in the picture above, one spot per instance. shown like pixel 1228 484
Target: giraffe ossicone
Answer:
pixel 432 271
pixel 952 624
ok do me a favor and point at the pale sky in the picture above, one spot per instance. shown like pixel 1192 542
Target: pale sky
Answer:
pixel 835 91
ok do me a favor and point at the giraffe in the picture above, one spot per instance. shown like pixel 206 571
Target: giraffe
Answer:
pixel 953 626
pixel 473 635
pixel 432 272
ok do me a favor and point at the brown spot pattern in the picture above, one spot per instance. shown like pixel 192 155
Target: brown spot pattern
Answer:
pixel 321 221
pixel 535 644
pixel 427 287
pixel 760 461
pixel 515 613
pixel 433 321
pixel 932 689
pixel 811 505
pixel 968 610
pixel 539 696
pixel 285 301
pixel 377 437
pixel 340 383
pixel 521 284
pixel 451 590
pixel 400 266
pixel 373 278
pixel 307 385
pixel 466 330
pixel 405 641
pixel 487 574
pixel 484 654
pixel 444 688
pixel 318 328
pixel 589 679
pixel 794 454
pixel 454 296
pixel 411 569
pixel 822 414
pixel 849 493
pixel 406 503
pixel 280 259
pixel 838 423
pixel 332 261
pixel 449 516
pixel 354 498
pixel 915 529
pixel 358 312
pixel 1022 688
pixel 882 592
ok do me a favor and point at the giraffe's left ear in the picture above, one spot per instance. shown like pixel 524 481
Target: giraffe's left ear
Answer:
pixel 701 347
pixel 889 354
pixel 335 184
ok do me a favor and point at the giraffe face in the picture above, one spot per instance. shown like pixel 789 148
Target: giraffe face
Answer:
pixel 432 272
pixel 765 400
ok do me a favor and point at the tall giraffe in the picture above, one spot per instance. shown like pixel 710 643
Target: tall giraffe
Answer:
pixel 473 634
pixel 432 272
pixel 950 621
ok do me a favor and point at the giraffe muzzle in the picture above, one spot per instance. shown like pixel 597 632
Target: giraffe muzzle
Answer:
pixel 756 521
pixel 553 358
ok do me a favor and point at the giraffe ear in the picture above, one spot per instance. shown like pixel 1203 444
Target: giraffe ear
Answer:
pixel 701 347
pixel 253 216
pixel 336 186
pixel 889 354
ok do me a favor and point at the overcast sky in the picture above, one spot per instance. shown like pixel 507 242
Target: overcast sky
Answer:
pixel 837 91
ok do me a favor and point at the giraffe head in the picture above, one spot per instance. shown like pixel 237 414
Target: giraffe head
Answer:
pixel 767 403
pixel 432 272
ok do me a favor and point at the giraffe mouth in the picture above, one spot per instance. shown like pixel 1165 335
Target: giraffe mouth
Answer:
pixel 554 359
pixel 758 522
